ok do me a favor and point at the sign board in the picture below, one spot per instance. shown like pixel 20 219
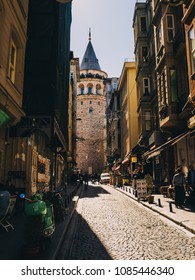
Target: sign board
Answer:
pixel 141 188
pixel 133 159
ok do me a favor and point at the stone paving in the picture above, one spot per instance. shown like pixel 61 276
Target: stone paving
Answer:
pixel 113 226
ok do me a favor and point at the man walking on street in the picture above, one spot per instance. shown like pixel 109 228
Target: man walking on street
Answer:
pixel 85 179
pixel 179 186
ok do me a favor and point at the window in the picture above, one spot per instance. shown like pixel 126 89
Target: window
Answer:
pixel 82 89
pixel 81 102
pixel 144 54
pixel 98 102
pixel 89 90
pixel 12 62
pixel 90 102
pixel 162 88
pixel 146 86
pixel 98 88
pixel 170 28
pixel 192 48
pixel 173 85
pixel 90 110
pixel 148 120
pixel 143 24
pixel 158 37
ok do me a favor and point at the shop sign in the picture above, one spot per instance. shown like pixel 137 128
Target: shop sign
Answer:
pixel 133 159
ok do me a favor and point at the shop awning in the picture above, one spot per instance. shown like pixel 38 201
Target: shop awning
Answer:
pixel 125 160
pixel 171 142
pixel 117 168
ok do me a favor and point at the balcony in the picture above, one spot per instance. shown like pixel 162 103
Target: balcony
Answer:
pixel 169 117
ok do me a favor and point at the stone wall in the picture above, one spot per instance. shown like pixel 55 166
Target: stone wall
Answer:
pixel 91 132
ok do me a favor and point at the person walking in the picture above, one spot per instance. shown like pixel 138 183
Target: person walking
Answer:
pixel 85 179
pixel 191 182
pixel 179 187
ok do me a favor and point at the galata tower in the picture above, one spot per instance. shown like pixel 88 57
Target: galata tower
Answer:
pixel 91 114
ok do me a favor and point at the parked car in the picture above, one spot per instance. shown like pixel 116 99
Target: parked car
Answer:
pixel 104 178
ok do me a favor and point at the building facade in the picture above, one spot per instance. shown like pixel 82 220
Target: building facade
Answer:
pixel 168 141
pixel 40 139
pixel 13 36
pixel 91 114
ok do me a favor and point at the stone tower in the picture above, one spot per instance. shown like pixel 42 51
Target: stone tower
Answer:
pixel 91 114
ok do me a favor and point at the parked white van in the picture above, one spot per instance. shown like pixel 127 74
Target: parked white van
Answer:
pixel 104 178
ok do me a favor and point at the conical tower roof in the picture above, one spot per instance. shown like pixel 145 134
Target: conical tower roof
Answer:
pixel 90 61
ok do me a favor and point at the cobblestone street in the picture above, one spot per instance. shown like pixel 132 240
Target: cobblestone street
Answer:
pixel 110 225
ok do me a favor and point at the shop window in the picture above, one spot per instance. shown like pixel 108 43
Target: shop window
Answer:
pixel 12 62
pixel 170 28
pixel 192 48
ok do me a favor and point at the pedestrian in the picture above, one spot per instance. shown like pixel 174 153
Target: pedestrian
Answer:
pixel 85 179
pixel 179 188
pixel 191 181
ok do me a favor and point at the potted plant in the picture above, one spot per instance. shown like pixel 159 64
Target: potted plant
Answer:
pixel 149 185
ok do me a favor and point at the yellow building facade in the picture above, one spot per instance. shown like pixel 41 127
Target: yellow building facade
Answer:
pixel 128 112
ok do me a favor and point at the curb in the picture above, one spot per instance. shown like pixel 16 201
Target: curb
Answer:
pixel 68 218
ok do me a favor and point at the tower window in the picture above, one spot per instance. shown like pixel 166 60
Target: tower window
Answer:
pixel 89 90
pixel 90 110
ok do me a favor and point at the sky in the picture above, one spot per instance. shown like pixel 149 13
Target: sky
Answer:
pixel 111 31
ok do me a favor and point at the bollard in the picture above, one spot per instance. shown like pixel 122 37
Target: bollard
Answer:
pixel 170 206
pixel 159 203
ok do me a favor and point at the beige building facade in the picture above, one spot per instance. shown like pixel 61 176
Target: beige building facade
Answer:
pixel 13 29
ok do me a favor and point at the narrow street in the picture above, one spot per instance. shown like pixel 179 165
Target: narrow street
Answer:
pixel 109 225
